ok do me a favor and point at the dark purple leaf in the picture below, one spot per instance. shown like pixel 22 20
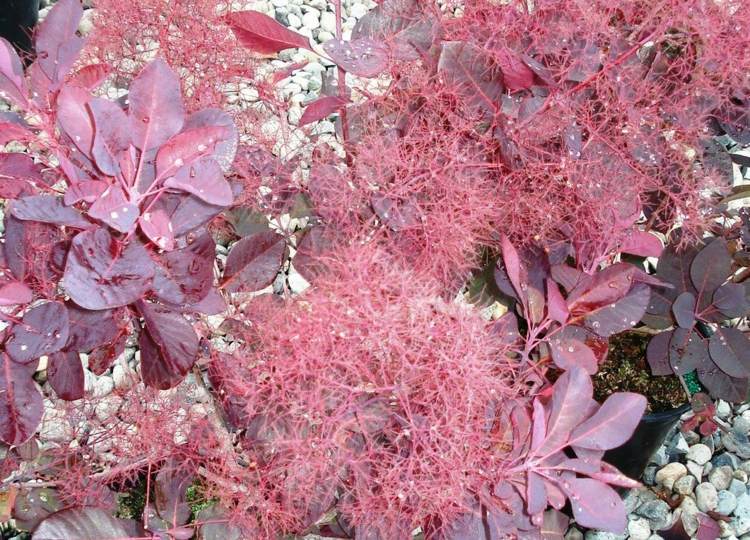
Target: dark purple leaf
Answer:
pixel 536 494
pixel 321 108
pixel 44 330
pixel 102 358
pixel 114 209
pixel 557 308
pixel 111 135
pixel 316 243
pixel 506 328
pixel 157 228
pixel 74 117
pixel 204 179
pixel 15 245
pixel 101 273
pixel 710 268
pixel 186 212
pixel 683 310
pixel 621 315
pixel 397 216
pixel 642 244
pixel 170 497
pixel 730 300
pixel 730 350
pixel 260 33
pixel 12 84
pixel 88 191
pixel 13 132
pixel 607 287
pixel 13 293
pixel 86 524
pixel 156 109
pixel 657 354
pixel 686 351
pixel 364 57
pixel 226 148
pixel 473 75
pixel 596 505
pixel 21 405
pixel 20 167
pixel 213 524
pixel 253 262
pixel 65 375
pixel 185 276
pixel 513 268
pixel 568 353
pixel 57 44
pixel 612 424
pixel 91 329
pixel 169 346
pixel 48 209
pixel 720 385
pixel 569 277
pixel 89 77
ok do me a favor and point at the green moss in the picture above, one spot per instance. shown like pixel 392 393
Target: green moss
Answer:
pixel 196 499
pixel 131 503
pixel 691 380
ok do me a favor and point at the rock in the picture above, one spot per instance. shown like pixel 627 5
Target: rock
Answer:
pixel 726 529
pixel 689 515
pixel 738 487
pixel 669 474
pixel 573 534
pixel 310 20
pixel 660 458
pixel 358 11
pixel 691 437
pixel 631 500
pixel 679 444
pixel 721 477
pixel 723 410
pixel 737 443
pixel 639 529
pixel 649 475
pixel 328 22
pixel 657 513
pixel 695 469
pixel 699 453
pixel 123 377
pixel 740 475
pixel 601 535
pixel 727 502
pixel 742 509
pixel 293 21
pixel 685 485
pixel 706 497
pixel 103 386
pixel 741 425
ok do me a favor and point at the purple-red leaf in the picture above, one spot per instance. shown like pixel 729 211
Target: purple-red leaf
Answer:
pixel 710 267
pixel 111 135
pixel 89 77
pixel 171 347
pixel 204 179
pixel 21 405
pixel 74 117
pixel 86 524
pixel 364 57
pixel 321 108
pixel 622 314
pixel 557 308
pixel 730 350
pixel 226 148
pixel 156 109
pixel 606 288
pixel 569 353
pixel 516 74
pixel 471 73
pixel 10 131
pixel 730 300
pixel 683 310
pixel 570 391
pixel 158 228
pixel 90 329
pixel 65 375
pixel 87 191
pixel 47 209
pixel 513 268
pixel 114 209
pixel 612 424
pixel 57 44
pixel 536 494
pixel 721 385
pixel 253 262
pixel 186 147
pixel 260 33
pixel 101 273
pixel 185 276
pixel 44 330
pixel 596 505
pixel 14 293
pixel 12 84
pixel 642 244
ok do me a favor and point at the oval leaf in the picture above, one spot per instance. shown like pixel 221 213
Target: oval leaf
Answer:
pixel 65 375
pixel 21 405
pixel 260 33
pixel 613 424
pixel 683 310
pixel 86 524
pixel 48 209
pixel 12 84
pixel 730 350
pixel 253 262
pixel 596 505
pixel 686 351
pixel 204 179
pixel 14 293
pixel 43 330
pixel 364 57
pixel 321 108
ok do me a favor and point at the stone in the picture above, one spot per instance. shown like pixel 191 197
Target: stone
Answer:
pixel 726 529
pixel 669 474
pixel 639 529
pixel 358 11
pixel 680 445
pixel 649 475
pixel 725 458
pixel 723 410
pixel 293 21
pixel 123 377
pixel 685 485
pixel 741 425
pixel 721 477
pixel 328 22
pixel 310 20
pixel 706 497
pixel 738 486
pixel 691 437
pixel 737 443
pixel 740 475
pixel 657 513
pixel 660 458
pixel 699 453
pixel 601 535
pixel 695 469
pixel 727 502
pixel 573 534
pixel 689 515
pixel 631 500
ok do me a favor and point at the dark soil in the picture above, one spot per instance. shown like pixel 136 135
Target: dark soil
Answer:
pixel 626 370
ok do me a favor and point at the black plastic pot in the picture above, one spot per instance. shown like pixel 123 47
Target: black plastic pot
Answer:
pixel 632 457
pixel 17 21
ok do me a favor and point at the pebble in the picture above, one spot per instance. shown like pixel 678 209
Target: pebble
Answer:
pixel 706 497
pixel 601 535
pixel 328 22
pixel 685 485
pixel 721 477
pixel 689 515
pixel 639 529
pixel 695 469
pixel 573 534
pixel 669 474
pixel 657 513
pixel 737 486
pixel 723 410
pixel 310 20
pixel 727 502
pixel 699 453
pixel 737 443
